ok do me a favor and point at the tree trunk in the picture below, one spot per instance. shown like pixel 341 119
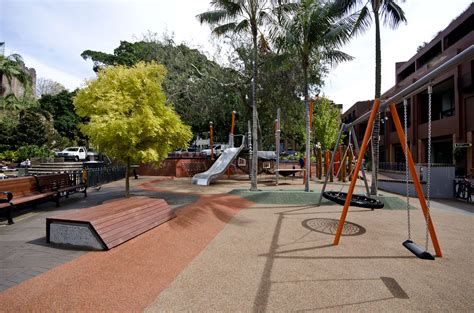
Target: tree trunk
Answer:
pixel 253 186
pixel 378 87
pixel 127 179
pixel 308 127
pixel 259 132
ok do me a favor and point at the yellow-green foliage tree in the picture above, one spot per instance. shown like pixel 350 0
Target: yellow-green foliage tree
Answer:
pixel 128 117
pixel 326 123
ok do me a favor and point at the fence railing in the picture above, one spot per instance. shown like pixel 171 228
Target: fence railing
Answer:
pixel 98 176
pixel 95 176
pixel 400 166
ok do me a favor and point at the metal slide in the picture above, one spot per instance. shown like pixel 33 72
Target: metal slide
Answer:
pixel 218 168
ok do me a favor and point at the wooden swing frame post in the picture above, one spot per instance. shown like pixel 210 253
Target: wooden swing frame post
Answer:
pixel 368 132
pixel 416 181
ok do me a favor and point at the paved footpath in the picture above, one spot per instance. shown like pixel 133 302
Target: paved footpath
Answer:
pixel 225 253
pixel 24 252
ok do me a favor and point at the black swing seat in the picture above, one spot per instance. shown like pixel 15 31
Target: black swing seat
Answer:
pixel 357 200
pixel 419 252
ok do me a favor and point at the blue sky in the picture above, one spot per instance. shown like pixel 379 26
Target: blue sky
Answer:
pixel 51 34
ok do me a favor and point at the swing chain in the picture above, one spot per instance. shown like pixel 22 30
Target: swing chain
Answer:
pixel 428 184
pixel 405 116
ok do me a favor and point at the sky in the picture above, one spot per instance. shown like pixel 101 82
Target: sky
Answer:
pixel 51 35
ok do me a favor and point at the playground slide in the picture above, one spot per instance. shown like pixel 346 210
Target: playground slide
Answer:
pixel 218 168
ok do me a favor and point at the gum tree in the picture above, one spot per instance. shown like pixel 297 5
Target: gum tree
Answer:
pixel 128 117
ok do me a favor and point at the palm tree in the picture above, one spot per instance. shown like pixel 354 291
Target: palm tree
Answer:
pixel 392 15
pixel 236 16
pixel 314 31
pixel 12 67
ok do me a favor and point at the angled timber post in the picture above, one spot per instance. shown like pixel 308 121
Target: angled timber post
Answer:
pixel 416 181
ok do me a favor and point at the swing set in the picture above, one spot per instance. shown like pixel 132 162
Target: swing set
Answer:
pixel 424 82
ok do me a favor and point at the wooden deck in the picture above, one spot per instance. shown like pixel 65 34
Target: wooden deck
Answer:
pixel 118 221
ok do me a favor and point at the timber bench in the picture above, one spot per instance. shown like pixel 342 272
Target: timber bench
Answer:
pixel 22 191
pixel 60 183
pixel 30 190
pixel 107 225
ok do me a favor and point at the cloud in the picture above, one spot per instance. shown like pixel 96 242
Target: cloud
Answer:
pixel 53 33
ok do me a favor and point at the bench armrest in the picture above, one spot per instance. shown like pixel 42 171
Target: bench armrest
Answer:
pixel 9 196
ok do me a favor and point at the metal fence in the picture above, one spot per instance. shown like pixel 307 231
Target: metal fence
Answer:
pixel 400 166
pixel 98 176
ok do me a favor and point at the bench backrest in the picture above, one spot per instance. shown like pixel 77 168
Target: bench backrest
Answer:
pixel 20 187
pixel 53 182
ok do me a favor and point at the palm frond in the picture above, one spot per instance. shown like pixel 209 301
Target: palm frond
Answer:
pixel 392 14
pixel 242 26
pixel 335 56
pixel 345 6
pixel 225 28
pixel 213 17
pixel 361 21
pixel 233 7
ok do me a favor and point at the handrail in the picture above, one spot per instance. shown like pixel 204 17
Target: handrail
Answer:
pixel 448 65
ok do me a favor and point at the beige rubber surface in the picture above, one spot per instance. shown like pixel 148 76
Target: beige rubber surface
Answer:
pixel 268 259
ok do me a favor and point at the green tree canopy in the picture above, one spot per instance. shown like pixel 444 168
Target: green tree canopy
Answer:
pixel 326 123
pixel 61 108
pixel 129 118
pixel 200 89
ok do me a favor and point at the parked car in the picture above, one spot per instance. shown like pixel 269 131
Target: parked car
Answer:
pixel 73 153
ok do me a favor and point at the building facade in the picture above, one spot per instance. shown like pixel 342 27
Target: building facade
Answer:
pixel 452 103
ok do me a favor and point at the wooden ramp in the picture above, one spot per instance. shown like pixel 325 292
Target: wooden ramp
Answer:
pixel 107 225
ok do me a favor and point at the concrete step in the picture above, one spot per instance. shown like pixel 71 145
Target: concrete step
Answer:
pixel 45 168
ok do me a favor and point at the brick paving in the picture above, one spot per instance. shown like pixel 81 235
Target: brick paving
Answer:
pixel 24 252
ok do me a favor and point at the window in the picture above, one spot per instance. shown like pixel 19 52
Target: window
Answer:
pixel 429 55
pixel 441 151
pixel 459 32
pixel 442 101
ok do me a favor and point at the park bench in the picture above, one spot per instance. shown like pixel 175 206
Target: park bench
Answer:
pixel 107 225
pixel 20 192
pixel 60 183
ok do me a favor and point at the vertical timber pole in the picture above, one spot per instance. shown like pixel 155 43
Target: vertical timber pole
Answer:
pixel 416 181
pixel 277 145
pixel 231 136
pixel 368 132
pixel 210 140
